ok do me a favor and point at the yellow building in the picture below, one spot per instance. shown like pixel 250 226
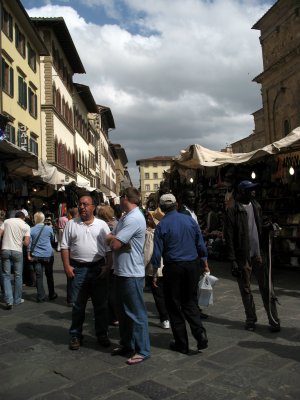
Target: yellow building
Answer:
pixel 121 161
pixel 151 174
pixel 21 48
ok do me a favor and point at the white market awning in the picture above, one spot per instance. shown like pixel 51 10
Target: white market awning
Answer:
pixel 196 156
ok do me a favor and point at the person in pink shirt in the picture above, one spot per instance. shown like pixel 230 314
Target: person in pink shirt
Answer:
pixel 62 221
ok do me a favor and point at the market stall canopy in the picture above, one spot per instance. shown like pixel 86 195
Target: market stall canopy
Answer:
pixel 18 160
pixel 52 176
pixel 48 173
pixel 196 156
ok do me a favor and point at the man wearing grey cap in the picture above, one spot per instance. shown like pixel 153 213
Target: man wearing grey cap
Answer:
pixel 179 241
pixel 243 230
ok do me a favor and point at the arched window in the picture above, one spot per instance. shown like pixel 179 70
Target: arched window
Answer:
pixel 56 150
pixel 63 107
pixel 58 101
pixel 54 95
pixel 286 127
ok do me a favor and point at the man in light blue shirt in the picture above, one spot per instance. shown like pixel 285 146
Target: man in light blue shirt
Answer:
pixel 127 242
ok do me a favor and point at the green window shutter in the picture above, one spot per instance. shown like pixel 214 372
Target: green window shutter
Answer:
pixel 11 82
pixel 25 94
pixel 3 74
pixel 20 89
pixel 35 105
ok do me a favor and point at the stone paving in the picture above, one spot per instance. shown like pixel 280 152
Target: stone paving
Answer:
pixel 35 362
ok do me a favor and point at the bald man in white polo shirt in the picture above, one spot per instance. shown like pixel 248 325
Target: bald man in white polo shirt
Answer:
pixel 87 260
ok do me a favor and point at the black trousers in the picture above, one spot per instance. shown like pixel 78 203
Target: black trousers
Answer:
pixel 49 276
pixel 259 267
pixel 158 296
pixel 180 290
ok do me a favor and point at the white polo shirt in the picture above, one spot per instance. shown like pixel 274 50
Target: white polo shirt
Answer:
pixel 87 243
pixel 15 229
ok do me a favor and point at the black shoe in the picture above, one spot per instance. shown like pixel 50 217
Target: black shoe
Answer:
pixel 121 351
pixel 203 315
pixel 173 346
pixel 53 297
pixel 9 307
pixel 250 326
pixel 203 342
pixel 75 343
pixel 40 300
pixel 274 328
pixel 103 341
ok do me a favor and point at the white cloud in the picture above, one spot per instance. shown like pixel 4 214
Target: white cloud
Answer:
pixel 187 81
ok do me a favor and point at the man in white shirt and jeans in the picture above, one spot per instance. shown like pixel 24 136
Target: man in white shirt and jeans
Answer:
pixel 87 260
pixel 15 233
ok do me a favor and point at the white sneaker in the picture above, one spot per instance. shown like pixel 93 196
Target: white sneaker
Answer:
pixel 165 324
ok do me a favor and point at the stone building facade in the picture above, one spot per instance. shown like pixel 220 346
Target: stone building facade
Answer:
pixel 280 79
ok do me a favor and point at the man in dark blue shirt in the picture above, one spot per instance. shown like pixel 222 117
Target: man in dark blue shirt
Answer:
pixel 179 241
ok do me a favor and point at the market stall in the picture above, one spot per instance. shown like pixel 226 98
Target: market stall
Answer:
pixel 214 175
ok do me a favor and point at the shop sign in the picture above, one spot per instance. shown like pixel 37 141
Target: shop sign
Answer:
pixel 24 141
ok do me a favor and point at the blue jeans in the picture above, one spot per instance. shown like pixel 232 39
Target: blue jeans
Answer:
pixel 87 283
pixel 132 314
pixel 39 270
pixel 12 258
pixel 44 264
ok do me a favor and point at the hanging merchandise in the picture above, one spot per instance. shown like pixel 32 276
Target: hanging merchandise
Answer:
pixel 3 178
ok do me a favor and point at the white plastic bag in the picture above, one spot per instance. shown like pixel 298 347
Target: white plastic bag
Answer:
pixel 205 290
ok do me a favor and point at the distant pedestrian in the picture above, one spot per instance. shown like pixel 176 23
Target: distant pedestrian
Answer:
pixel 62 221
pixel 87 260
pixel 127 242
pixel 15 233
pixel 40 254
pixel 179 241
pixel 188 208
pixel 106 213
pixel 72 213
pixel 2 218
pixel 155 276
pixel 243 229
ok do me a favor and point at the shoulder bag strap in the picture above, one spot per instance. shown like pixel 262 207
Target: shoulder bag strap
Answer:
pixel 36 240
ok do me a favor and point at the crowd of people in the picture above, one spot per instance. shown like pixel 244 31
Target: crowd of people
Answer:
pixel 107 254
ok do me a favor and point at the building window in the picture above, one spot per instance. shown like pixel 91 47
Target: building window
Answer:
pixel 155 175
pixel 7 24
pixel 33 145
pixel 22 99
pixel 147 188
pixel 31 58
pixel 7 78
pixel 146 175
pixel 156 186
pixel 20 41
pixel 11 133
pixel 286 127
pixel 32 103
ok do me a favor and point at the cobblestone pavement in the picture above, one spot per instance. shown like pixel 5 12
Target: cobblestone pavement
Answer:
pixel 35 362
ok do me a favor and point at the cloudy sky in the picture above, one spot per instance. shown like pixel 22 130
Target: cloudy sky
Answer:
pixel 173 72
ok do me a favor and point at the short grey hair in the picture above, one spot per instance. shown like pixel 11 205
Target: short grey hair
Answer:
pixel 39 217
